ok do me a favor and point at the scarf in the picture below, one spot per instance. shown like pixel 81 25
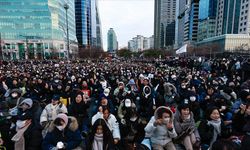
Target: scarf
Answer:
pixel 217 129
pixel 19 139
pixel 98 142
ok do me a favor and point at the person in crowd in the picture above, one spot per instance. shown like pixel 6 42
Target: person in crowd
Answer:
pixel 104 113
pixel 212 128
pixel 131 125
pixel 184 124
pixel 161 130
pixel 50 112
pixel 28 136
pixel 119 94
pixel 63 134
pixel 100 137
pixel 79 109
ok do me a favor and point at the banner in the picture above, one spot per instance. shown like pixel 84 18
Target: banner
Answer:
pixel 183 49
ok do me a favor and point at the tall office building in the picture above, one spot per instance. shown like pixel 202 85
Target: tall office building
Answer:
pixel 244 20
pixel 112 41
pixel 207 19
pixel 88 25
pixel 191 21
pixel 140 43
pixel 36 29
pixel 180 22
pixel 164 23
pixel 227 19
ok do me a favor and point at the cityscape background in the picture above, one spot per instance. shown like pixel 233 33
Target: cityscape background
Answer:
pixel 83 28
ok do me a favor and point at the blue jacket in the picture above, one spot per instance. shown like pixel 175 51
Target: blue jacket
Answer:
pixel 70 136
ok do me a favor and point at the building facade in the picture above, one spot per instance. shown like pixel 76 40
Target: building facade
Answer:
pixel 227 19
pixel 244 20
pixel 191 22
pixel 140 43
pixel 164 23
pixel 31 30
pixel 207 19
pixel 88 24
pixel 180 22
pixel 227 43
pixel 112 41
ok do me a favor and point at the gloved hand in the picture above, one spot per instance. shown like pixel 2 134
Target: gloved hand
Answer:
pixel 60 145
pixel 123 121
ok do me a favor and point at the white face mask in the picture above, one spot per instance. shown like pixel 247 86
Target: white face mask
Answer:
pixel 14 95
pixel 192 98
pixel 20 123
pixel 60 128
pixel 166 120
pixel 133 118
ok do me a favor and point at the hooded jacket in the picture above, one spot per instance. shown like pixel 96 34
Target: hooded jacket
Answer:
pixel 159 134
pixel 70 136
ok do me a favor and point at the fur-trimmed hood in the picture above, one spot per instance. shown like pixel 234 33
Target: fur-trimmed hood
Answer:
pixel 168 110
pixel 169 89
pixel 72 124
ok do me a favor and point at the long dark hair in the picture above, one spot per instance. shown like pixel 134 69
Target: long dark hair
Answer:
pixel 108 140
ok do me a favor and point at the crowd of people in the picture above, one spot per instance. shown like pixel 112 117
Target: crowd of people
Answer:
pixel 172 104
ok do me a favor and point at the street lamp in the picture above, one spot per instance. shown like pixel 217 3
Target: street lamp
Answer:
pixel 66 7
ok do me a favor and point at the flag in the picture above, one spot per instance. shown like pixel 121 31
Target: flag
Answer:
pixel 183 49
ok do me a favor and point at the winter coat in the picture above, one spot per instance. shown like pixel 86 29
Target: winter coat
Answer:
pixel 49 113
pixel 33 138
pixel 159 134
pixel 185 128
pixel 207 132
pixel 79 110
pixel 111 123
pixel 70 136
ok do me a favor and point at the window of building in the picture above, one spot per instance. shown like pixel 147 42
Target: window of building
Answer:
pixel 240 30
pixel 246 5
pixel 240 24
pixel 245 23
pixel 61 46
pixel 244 29
pixel 246 11
pixel 46 46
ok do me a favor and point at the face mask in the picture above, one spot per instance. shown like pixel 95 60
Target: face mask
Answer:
pixel 183 86
pixel 166 120
pixel 192 98
pixel 20 124
pixel 133 118
pixel 60 128
pixel 14 95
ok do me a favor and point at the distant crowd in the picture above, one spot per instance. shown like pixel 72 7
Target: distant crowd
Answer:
pixel 173 104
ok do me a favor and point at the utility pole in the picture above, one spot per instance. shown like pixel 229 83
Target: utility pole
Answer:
pixel 1 50
pixel 66 7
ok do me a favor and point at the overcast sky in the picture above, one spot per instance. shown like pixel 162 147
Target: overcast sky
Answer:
pixel 128 18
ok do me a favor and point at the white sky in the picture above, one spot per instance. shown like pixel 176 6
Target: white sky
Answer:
pixel 128 18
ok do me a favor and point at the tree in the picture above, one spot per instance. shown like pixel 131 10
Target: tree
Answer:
pixel 151 53
pixel 124 53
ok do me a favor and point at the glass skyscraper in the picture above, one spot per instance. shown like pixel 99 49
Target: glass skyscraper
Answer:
pixel 112 41
pixel 88 26
pixel 207 19
pixel 36 29
pixel 227 19
pixel 164 23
